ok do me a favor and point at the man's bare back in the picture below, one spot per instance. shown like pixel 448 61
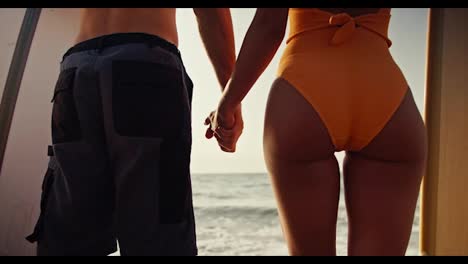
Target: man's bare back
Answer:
pixel 96 22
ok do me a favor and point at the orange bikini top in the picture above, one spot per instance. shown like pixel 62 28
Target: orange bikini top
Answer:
pixel 302 20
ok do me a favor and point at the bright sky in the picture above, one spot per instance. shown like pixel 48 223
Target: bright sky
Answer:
pixel 408 29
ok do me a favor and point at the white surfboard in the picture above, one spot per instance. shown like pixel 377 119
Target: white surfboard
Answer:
pixel 25 160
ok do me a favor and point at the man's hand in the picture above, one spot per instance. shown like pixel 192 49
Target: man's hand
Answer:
pixel 226 125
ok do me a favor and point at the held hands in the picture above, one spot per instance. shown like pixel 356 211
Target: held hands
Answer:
pixel 226 125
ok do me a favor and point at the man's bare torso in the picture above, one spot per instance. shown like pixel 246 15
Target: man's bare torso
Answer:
pixel 96 22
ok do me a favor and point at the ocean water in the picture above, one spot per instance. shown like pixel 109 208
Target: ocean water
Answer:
pixel 236 215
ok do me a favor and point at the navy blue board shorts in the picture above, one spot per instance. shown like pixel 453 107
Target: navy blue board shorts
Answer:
pixel 119 166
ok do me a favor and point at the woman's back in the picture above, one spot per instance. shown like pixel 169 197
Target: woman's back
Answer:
pixel 354 12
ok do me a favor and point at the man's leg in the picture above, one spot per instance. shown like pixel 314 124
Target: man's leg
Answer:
pixel 147 113
pixel 77 202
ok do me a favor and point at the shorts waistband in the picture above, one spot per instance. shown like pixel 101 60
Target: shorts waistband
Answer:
pixel 106 41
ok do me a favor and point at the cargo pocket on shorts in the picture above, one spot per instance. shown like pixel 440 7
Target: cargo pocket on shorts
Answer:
pixel 147 99
pixel 46 188
pixel 152 100
pixel 175 201
pixel 65 122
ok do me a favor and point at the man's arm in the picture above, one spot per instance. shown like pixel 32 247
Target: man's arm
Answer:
pixel 215 26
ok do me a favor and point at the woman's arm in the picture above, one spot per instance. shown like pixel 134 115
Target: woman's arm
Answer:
pixel 265 34
pixel 261 42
